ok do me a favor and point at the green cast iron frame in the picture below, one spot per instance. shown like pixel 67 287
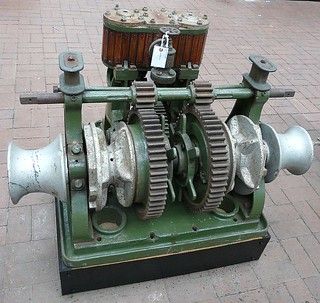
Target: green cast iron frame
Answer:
pixel 178 230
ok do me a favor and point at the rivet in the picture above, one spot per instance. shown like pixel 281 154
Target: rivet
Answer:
pixel 205 17
pixel 199 22
pixel 136 10
pixel 123 19
pixel 163 9
pixel 145 9
pixel 152 21
pixel 116 7
pixel 145 14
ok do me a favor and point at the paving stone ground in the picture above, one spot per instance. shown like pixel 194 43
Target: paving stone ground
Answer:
pixel 33 32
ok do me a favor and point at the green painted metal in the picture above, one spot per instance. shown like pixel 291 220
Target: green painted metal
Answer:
pixel 239 218
pixel 188 73
pixel 80 228
pixel 143 165
pixel 176 231
pixel 164 94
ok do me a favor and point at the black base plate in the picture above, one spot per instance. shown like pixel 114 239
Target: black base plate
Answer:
pixel 82 279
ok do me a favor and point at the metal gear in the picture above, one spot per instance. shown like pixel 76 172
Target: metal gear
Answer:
pixel 161 111
pixel 211 179
pixel 143 112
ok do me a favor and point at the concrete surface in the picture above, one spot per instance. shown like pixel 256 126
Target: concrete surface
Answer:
pixel 32 33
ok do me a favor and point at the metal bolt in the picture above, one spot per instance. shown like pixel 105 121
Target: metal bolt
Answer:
pixel 205 17
pixel 170 16
pixel 159 73
pixel 173 12
pixel 116 7
pixel 136 10
pixel 199 22
pixel 189 14
pixel 152 21
pixel 171 21
pixel 123 19
pixel 145 14
pixel 78 184
pixel 140 18
pixel 76 149
pixel 163 9
pixel 70 58
pixel 179 19
pixel 144 8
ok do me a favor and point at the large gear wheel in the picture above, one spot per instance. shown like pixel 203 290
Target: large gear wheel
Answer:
pixel 143 113
pixel 210 181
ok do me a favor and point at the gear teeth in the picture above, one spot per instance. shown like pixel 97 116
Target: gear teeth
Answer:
pixel 158 173
pixel 218 155
pixel 204 93
pixel 160 110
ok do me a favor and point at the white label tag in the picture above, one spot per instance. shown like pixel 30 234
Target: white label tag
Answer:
pixel 159 56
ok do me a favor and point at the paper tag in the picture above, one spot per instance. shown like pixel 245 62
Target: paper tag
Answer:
pixel 159 56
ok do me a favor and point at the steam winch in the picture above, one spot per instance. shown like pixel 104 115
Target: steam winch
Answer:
pixel 161 186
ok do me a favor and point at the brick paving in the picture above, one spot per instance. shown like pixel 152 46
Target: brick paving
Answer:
pixel 33 32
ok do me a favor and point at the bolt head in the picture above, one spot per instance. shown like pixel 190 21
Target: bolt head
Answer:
pixel 136 10
pixel 199 22
pixel 152 21
pixel 144 8
pixel 145 14
pixel 76 149
pixel 78 184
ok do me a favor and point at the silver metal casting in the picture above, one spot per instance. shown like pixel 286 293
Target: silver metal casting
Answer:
pixel 292 150
pixel 112 164
pixel 39 170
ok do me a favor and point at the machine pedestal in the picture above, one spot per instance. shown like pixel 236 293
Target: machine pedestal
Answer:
pixel 83 279
pixel 226 248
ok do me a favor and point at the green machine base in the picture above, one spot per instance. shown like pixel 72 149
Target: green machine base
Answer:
pixel 178 242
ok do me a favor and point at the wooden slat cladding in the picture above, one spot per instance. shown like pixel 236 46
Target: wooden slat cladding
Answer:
pixel 134 47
